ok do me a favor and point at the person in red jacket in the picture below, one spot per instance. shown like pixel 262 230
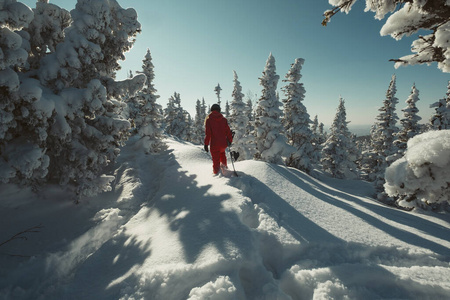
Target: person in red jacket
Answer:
pixel 218 136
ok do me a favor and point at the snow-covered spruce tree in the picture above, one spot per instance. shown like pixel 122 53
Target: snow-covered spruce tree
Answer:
pixel 131 110
pixel 46 30
pixel 271 144
pixel 238 121
pixel 204 110
pixel 250 127
pixel 441 118
pixel 171 113
pixel 198 126
pixel 323 135
pixel 148 120
pixel 339 151
pixel 422 177
pixel 88 129
pixel 188 128
pixel 217 89
pixel 227 109
pixel 250 113
pixel 296 120
pixel 175 117
pixel 410 123
pixel 23 113
pixel 407 18
pixel 317 139
pixel 382 136
pixel 315 126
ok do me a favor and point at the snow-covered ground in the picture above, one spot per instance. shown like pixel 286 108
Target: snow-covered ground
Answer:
pixel 171 230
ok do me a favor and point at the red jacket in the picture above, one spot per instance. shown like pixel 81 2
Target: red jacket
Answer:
pixel 217 131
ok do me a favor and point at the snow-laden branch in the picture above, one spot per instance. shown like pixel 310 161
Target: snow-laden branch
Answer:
pixel 407 18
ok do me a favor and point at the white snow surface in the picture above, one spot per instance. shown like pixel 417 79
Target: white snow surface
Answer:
pixel 169 229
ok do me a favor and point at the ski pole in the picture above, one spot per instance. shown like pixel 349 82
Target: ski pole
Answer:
pixel 231 157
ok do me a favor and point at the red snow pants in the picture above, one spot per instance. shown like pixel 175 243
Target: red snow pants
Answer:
pixel 218 157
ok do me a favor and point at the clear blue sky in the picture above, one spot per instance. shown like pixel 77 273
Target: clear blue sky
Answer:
pixel 196 44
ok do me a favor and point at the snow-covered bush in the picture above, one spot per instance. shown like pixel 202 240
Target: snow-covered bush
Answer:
pixel 422 176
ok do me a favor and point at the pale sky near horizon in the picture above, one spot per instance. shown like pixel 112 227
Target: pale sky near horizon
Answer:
pixel 197 44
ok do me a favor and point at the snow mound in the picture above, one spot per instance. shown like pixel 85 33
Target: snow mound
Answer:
pixel 422 175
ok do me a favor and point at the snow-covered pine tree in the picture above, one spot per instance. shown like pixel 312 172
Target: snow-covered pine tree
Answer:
pixel 148 120
pixel 441 118
pixel 217 89
pixel 410 123
pixel 339 151
pixel 227 109
pixel 171 114
pixel 175 117
pixel 386 128
pixel 198 128
pixel 204 110
pixel 131 111
pixel 238 121
pixel 88 128
pixel 187 132
pixel 382 136
pixel 250 127
pixel 317 139
pixel 271 144
pixel 315 126
pixel 250 113
pixel 24 113
pixel 323 135
pixel 46 30
pixel 296 119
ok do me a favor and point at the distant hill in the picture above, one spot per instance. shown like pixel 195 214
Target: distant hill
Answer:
pixel 359 130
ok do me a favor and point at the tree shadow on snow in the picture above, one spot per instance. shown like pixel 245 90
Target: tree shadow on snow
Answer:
pixel 198 215
pixel 327 195
pixel 298 225
pixel 108 271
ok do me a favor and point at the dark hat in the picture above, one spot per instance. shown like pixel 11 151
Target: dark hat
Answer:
pixel 215 107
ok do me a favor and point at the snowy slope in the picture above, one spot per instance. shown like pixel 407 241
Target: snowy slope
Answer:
pixel 170 230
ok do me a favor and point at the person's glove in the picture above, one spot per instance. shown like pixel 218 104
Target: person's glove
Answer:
pixel 206 148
